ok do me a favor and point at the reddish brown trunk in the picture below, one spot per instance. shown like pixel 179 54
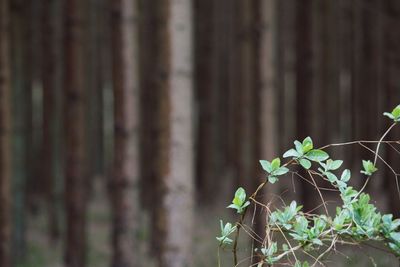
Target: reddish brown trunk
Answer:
pixel 391 76
pixel 304 75
pixel 5 136
pixel 74 107
pixel 49 89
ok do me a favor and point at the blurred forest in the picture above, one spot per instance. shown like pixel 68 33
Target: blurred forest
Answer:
pixel 126 125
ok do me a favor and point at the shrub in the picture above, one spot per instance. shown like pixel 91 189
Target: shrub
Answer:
pixel 356 219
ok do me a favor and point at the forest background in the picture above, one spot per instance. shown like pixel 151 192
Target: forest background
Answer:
pixel 127 125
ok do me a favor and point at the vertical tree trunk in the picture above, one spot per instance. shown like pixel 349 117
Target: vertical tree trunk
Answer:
pixel 206 92
pixel 244 88
pixel 95 83
pixel 148 93
pixel 48 117
pixel 74 108
pixel 304 76
pixel 5 136
pixel 392 73
pixel 21 116
pixel 287 85
pixel 345 77
pixel 266 81
pixel 124 184
pixel 175 159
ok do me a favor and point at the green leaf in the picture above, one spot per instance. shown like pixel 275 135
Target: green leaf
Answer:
pixel 280 171
pixel 241 195
pixel 331 177
pixel 387 114
pixel 394 115
pixel 305 163
pixel 341 184
pixel 299 147
pixel 293 208
pixel 226 230
pixel 239 201
pixel 318 242
pixel 233 206
pixel 317 155
pixel 369 167
pixel 396 112
pixel 272 179
pixel 307 144
pixel 346 174
pixel 395 224
pixel 395 236
pixel 334 164
pixel 266 165
pixel 275 164
pixel 291 153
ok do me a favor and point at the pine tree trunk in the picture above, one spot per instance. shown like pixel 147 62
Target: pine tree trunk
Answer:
pixel 205 52
pixel 392 74
pixel 345 77
pixel 124 184
pixel 265 116
pixel 75 147
pixel 5 136
pixel 49 100
pixel 304 76
pixel 148 93
pixel 21 116
pixel 175 159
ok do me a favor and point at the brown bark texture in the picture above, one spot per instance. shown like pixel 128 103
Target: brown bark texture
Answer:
pixel 175 143
pixel 74 125
pixel 124 184
pixel 5 136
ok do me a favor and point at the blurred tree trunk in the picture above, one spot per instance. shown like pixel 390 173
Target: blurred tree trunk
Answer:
pixel 391 76
pixel 175 144
pixel 286 64
pixel 21 102
pixel 244 85
pixel 265 99
pixel 304 78
pixel 5 136
pixel 206 49
pixel 124 184
pixel 148 99
pixel 49 83
pixel 357 92
pixel 95 84
pixel 345 78
pixel 75 145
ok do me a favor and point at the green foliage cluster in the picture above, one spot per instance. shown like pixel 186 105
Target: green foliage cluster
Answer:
pixel 356 219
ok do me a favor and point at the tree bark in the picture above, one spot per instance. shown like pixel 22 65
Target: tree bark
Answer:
pixel 392 72
pixel 206 93
pixel 75 145
pixel 304 76
pixel 124 184
pixel 21 102
pixel 175 159
pixel 265 99
pixel 49 118
pixel 5 136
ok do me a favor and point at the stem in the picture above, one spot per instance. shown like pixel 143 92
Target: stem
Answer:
pixel 219 258
pixel 376 155
pixel 380 141
pixel 234 249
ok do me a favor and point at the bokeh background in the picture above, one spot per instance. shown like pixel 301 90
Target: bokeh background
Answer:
pixel 127 125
